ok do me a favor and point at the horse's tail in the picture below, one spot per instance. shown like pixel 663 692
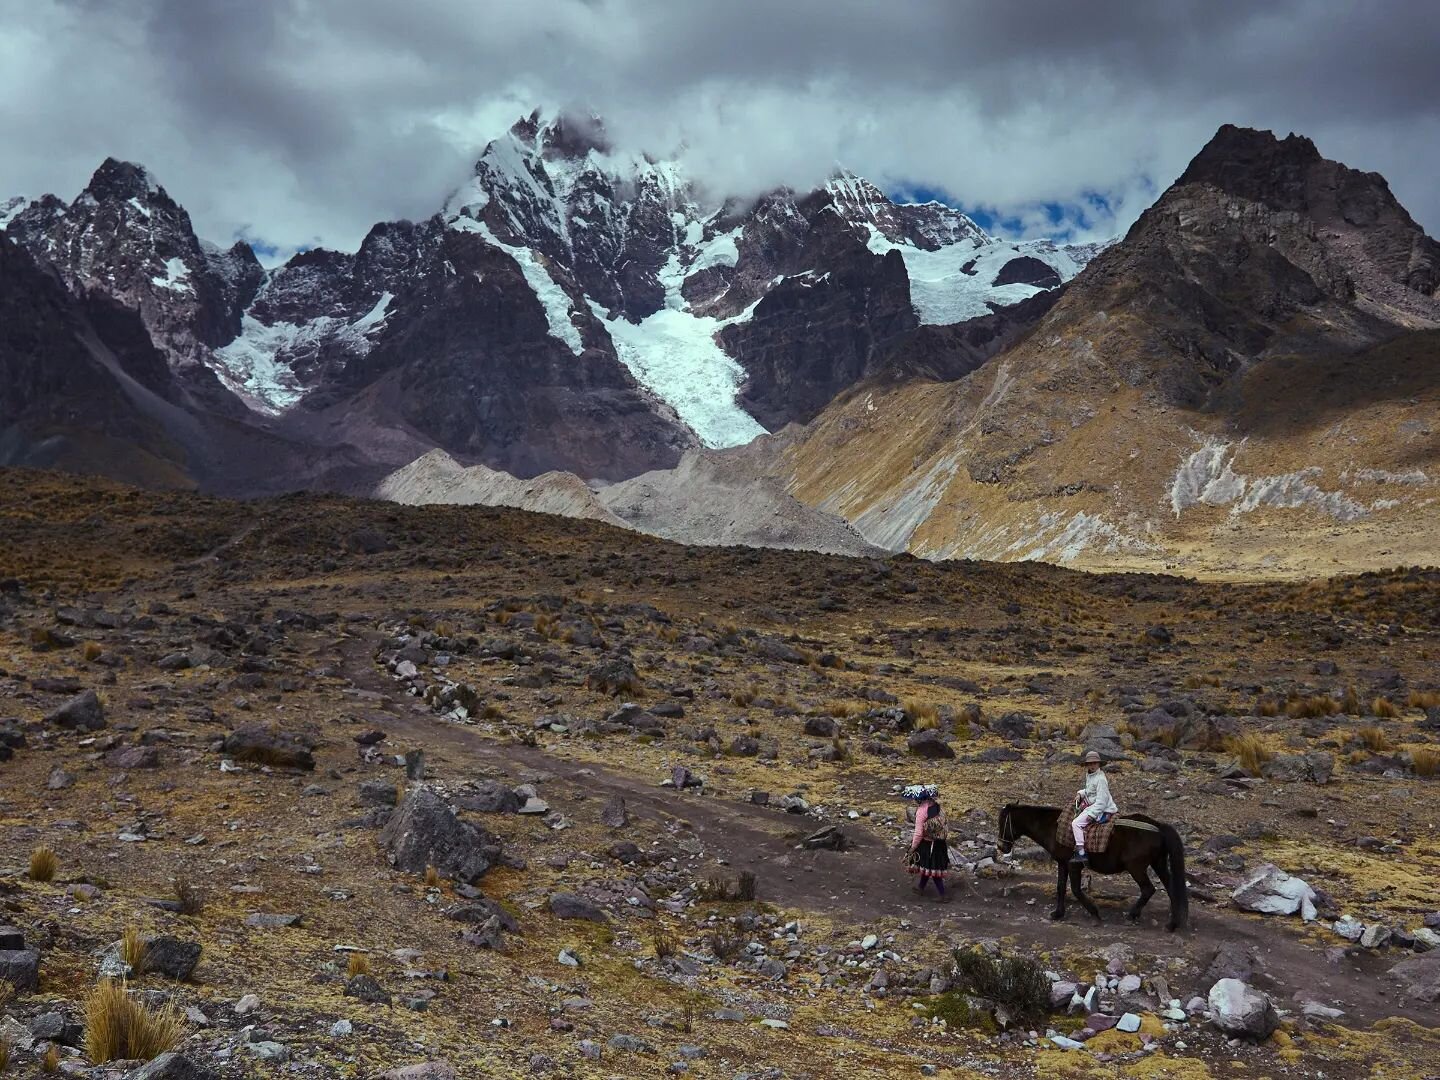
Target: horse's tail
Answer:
pixel 1175 858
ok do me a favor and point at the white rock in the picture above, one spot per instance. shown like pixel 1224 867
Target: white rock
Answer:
pixel 247 1005
pixel 1271 891
pixel 1425 939
pixel 1375 936
pixel 1241 1011
pixel 1065 1043
pixel 1128 1023
pixel 1349 927
pixel 869 942
pixel 341 1028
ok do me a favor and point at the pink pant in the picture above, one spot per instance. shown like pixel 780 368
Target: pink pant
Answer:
pixel 1083 819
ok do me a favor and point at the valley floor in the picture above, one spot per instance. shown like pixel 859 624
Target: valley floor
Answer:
pixel 790 686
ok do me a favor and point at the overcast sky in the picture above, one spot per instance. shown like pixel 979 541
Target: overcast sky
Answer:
pixel 302 122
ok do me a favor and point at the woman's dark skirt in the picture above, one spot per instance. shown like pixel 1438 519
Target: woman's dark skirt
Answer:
pixel 931 859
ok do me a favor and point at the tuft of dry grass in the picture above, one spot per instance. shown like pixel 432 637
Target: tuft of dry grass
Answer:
pixel 7 994
pixel 1307 708
pixel 132 948
pixel 188 895
pixel 663 942
pixel 4 1056
pixel 1350 703
pixel 844 710
pixel 743 698
pixel 1425 761
pixel 1195 682
pixel 1423 699
pixel 92 651
pixel 120 1028
pixel 1267 706
pixel 357 964
pixel 1250 751
pixel 922 715
pixel 44 864
pixel 726 943
pixel 1374 738
pixel 432 878
pixel 1384 708
pixel 50 1063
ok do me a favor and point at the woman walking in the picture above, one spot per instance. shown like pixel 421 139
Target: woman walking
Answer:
pixel 929 856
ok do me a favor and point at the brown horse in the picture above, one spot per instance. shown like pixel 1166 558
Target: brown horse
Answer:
pixel 1132 851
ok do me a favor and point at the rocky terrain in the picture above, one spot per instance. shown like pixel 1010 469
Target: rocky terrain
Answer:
pixel 351 788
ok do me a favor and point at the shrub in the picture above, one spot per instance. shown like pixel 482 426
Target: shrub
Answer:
pixel 663 942
pixel 44 864
pixel 356 964
pixel 132 948
pixel 745 884
pixel 1425 761
pixel 189 896
pixel 726 943
pixel 1014 983
pixel 1250 751
pixel 1384 708
pixel 118 1028
pixel 1423 699
pixel 958 1011
pixel 1350 703
pixel 1374 738
pixel 716 888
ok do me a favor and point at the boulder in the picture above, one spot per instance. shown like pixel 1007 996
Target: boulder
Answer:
pixel 614 815
pixel 1419 977
pixel 568 905
pixel 1014 725
pixel 1316 768
pixel 1269 890
pixel 929 744
pixel 171 957
pixel 424 832
pixel 613 677
pixel 367 988
pixel 1241 1011
pixel 82 713
pixel 264 745
pixel 134 757
pixel 20 968
pixel 489 797
pixel 822 727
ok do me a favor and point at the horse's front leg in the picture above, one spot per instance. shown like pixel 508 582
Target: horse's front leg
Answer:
pixel 1059 912
pixel 1075 871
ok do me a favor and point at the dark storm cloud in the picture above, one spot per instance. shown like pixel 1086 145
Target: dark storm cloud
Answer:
pixel 300 121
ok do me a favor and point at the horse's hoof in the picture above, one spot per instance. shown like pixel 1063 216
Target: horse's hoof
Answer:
pixel 1056 915
pixel 1131 918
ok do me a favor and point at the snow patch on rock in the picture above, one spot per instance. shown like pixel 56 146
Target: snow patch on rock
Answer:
pixel 176 277
pixel 1207 476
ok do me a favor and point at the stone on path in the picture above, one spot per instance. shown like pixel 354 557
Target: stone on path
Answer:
pixel 1269 890
pixel 1241 1011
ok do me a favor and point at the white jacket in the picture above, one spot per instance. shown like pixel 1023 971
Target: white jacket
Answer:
pixel 1096 793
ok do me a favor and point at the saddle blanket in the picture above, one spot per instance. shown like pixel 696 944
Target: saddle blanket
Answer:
pixel 1097 834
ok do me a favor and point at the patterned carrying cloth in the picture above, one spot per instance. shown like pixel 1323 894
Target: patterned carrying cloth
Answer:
pixel 1097 834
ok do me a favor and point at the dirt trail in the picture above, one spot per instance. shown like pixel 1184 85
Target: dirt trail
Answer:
pixel 866 883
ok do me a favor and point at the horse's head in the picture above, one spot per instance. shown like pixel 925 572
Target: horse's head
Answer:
pixel 1005 833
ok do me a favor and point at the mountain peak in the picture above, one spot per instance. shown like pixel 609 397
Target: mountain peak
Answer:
pixel 1255 164
pixel 116 179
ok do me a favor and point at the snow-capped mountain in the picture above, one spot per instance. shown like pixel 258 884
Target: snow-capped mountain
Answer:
pixel 572 306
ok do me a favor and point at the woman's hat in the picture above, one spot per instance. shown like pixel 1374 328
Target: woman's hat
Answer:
pixel 920 792
pixel 1092 758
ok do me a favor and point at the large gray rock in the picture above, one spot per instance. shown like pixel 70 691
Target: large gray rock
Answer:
pixel 173 1066
pixel 1241 1011
pixel 1315 768
pixel 20 968
pixel 489 797
pixel 264 745
pixel 82 713
pixel 424 832
pixel 1232 960
pixel 568 905
pixel 1420 977
pixel 171 957
pixel 929 744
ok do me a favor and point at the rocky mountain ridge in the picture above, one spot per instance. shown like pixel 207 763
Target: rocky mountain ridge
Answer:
pixel 573 306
